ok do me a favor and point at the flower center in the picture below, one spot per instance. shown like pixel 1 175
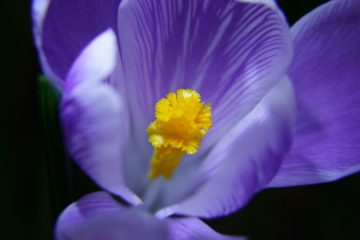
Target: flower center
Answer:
pixel 181 122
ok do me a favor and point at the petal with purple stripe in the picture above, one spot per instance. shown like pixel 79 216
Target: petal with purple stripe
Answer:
pixel 94 118
pixel 232 52
pixel 325 74
pixel 244 161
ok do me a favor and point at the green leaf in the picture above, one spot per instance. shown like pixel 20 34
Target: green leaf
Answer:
pixel 54 161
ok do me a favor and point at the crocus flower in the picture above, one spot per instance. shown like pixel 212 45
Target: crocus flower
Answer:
pixel 187 108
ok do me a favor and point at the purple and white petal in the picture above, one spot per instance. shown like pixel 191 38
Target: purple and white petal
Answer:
pixel 232 52
pixel 98 216
pixel 94 118
pixel 270 3
pixel 95 63
pixel 244 161
pixel 326 78
pixel 62 28
pixel 39 9
pixel 194 229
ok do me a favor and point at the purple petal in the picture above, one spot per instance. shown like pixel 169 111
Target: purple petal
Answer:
pixel 325 73
pixel 230 51
pixel 194 229
pixel 62 28
pixel 94 118
pixel 96 62
pixel 39 9
pixel 245 160
pixel 98 216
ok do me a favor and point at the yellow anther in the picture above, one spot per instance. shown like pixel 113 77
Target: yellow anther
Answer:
pixel 181 122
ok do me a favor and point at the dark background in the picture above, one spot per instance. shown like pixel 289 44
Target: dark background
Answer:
pixel 36 182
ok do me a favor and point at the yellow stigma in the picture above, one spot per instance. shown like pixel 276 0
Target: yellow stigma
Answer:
pixel 181 122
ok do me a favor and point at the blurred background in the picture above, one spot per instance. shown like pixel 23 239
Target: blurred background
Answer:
pixel 38 180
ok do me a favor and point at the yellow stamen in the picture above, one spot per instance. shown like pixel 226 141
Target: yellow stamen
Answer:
pixel 181 122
